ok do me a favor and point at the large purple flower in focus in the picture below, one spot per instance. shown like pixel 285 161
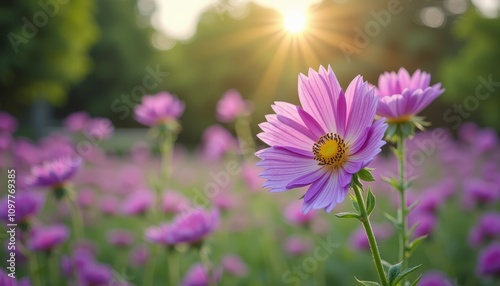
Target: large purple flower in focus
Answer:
pixel 402 96
pixel 160 108
pixel 54 173
pixel 324 142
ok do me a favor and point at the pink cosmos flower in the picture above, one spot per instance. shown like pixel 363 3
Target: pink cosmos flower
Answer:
pixel 489 261
pixel 8 123
pixel 324 142
pixel 231 106
pixel 193 226
pixel 199 276
pixel 174 202
pixel 233 264
pixel 296 245
pixel 99 129
pixel 359 241
pixel 217 141
pixel 138 202
pixel 402 96
pixel 53 173
pixel 28 205
pixel 434 278
pixel 159 108
pixel 75 122
pixel 158 234
pixel 295 216
pixel 46 238
pixel 120 237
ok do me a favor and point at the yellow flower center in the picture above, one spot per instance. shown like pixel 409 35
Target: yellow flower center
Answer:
pixel 330 150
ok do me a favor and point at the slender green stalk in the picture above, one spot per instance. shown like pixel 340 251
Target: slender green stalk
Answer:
pixel 365 220
pixel 148 278
pixel 173 267
pixel 33 266
pixel 76 218
pixel 244 134
pixel 54 269
pixel 402 211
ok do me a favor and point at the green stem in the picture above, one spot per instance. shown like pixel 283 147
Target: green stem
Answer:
pixel 150 269
pixel 402 211
pixel 54 268
pixel 76 218
pixel 33 266
pixel 173 267
pixel 365 220
pixel 244 134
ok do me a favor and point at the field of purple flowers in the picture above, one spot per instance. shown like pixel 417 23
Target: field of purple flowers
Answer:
pixel 75 213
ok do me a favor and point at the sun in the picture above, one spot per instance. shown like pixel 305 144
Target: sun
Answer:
pixel 294 21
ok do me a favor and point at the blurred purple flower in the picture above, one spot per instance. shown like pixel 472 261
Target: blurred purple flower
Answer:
pixel 158 234
pixel 54 173
pixel 5 141
pixel 174 202
pixel 8 123
pixel 197 276
pixel 434 278
pixel 108 205
pixel 217 141
pixel 250 174
pixel 99 129
pixel 27 205
pixel 95 274
pixel 138 202
pixel 480 192
pixel 489 261
pixel 75 122
pixel 85 197
pixel 233 265
pixel 294 215
pixel 402 96
pixel 232 106
pixel 139 256
pixel 120 237
pixel 486 229
pixel 296 245
pixel 193 226
pixel 140 152
pixel 160 108
pixel 426 223
pixel 359 241
pixel 48 237
pixel 6 280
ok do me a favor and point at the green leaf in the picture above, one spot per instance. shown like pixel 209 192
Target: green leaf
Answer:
pixel 370 202
pixel 347 215
pixel 354 202
pixel 416 242
pixel 392 219
pixel 391 181
pixel 393 272
pixel 416 280
pixel 386 264
pixel 405 273
pixel 367 283
pixel 365 175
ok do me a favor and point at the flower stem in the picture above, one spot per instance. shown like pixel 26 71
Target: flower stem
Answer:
pixel 150 269
pixel 173 267
pixel 365 220
pixel 402 211
pixel 245 138
pixel 76 217
pixel 54 268
pixel 33 266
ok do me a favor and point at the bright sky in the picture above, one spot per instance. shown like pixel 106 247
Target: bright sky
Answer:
pixel 179 18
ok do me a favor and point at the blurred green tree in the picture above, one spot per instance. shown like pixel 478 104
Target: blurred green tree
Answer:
pixel 472 76
pixel 44 49
pixel 122 57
